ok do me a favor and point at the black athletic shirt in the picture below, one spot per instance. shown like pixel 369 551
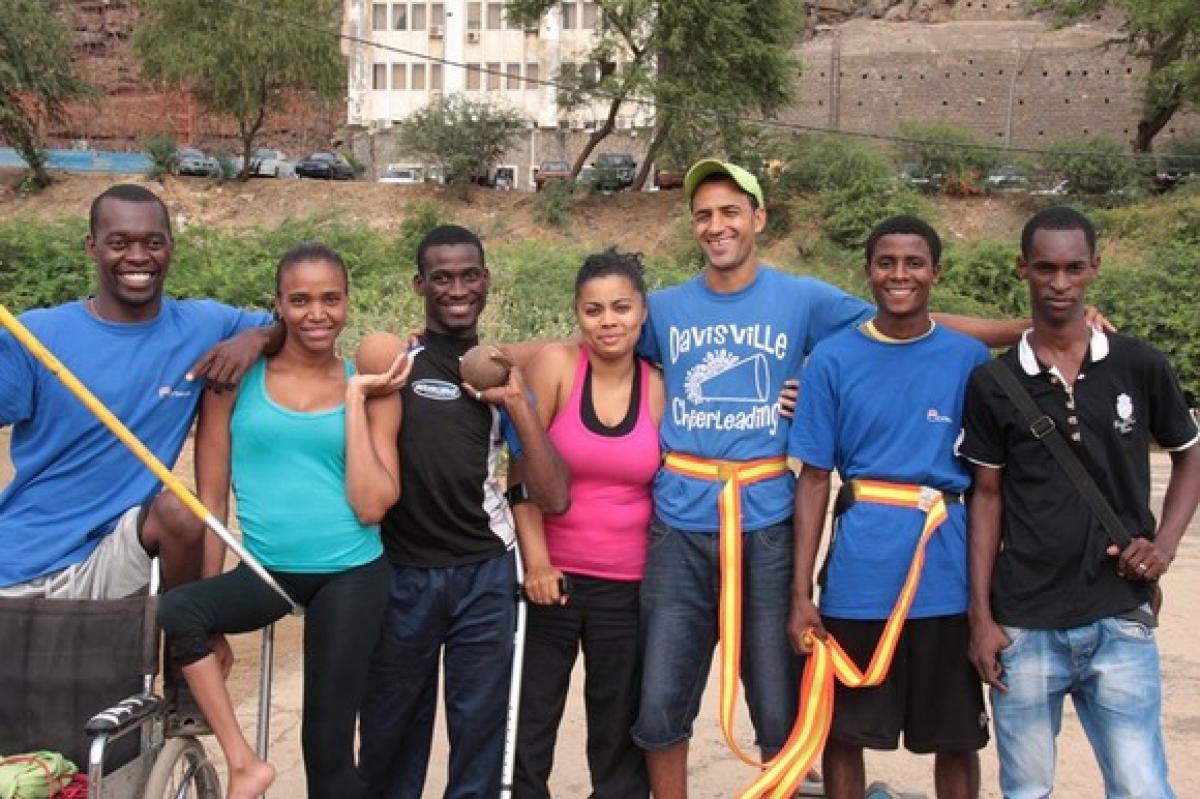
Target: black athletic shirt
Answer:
pixel 451 510
pixel 1052 571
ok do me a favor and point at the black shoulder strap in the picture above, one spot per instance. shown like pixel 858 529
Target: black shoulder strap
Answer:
pixel 1043 429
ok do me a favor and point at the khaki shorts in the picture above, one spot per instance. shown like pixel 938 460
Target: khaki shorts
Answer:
pixel 118 567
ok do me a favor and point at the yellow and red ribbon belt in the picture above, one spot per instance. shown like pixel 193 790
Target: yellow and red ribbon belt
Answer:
pixel 782 775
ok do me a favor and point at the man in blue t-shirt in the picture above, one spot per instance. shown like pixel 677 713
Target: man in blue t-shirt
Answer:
pixel 82 517
pixel 727 340
pixel 882 404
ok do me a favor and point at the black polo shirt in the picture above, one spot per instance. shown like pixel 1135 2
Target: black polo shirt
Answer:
pixel 1052 570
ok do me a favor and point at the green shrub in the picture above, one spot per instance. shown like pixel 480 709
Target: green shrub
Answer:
pixel 1093 166
pixel 43 264
pixel 552 205
pixel 822 162
pixel 950 151
pixel 163 151
pixel 986 272
pixel 1182 155
pixel 847 215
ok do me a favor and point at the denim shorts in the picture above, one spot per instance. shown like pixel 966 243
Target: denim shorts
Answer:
pixel 1110 670
pixel 679 599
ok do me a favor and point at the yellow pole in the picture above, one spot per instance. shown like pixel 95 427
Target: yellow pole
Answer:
pixel 89 400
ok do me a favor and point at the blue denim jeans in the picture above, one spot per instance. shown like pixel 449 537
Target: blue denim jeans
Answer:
pixel 1110 670
pixel 679 600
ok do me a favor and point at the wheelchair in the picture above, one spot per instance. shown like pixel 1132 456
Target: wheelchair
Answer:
pixel 63 663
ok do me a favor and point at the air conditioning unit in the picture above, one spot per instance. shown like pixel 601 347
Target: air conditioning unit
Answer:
pixel 472 37
pixel 435 31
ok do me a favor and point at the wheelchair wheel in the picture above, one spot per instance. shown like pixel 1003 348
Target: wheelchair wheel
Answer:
pixel 182 770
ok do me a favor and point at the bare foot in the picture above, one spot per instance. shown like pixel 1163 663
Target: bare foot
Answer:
pixel 251 780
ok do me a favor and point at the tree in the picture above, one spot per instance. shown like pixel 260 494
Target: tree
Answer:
pixel 465 136
pixel 721 58
pixel 241 62
pixel 952 151
pixel 1096 165
pixel 35 77
pixel 1165 34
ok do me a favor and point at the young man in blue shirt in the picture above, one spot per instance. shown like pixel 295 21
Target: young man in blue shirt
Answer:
pixel 882 404
pixel 82 517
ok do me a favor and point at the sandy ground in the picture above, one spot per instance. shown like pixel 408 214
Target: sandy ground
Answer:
pixel 714 772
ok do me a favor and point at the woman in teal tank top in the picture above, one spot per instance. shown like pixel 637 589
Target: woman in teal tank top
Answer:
pixel 311 448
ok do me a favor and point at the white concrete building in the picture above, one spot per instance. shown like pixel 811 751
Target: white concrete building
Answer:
pixel 404 54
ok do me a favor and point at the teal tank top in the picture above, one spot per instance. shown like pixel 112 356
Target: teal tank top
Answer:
pixel 289 478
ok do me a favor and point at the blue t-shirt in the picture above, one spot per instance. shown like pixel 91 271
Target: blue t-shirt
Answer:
pixel 725 358
pixel 892 411
pixel 73 477
pixel 289 477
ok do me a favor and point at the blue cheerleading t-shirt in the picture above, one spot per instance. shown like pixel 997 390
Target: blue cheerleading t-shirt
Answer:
pixel 725 358
pixel 73 477
pixel 889 410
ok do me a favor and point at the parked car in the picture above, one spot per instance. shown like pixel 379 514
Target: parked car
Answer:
pixel 267 162
pixel 668 179
pixel 614 171
pixel 920 177
pixel 402 174
pixel 550 170
pixel 327 166
pixel 194 162
pixel 1167 179
pixel 1006 178
pixel 1059 189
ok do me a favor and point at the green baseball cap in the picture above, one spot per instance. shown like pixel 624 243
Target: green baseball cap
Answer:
pixel 710 166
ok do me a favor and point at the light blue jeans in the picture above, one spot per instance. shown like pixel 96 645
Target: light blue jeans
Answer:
pixel 1110 670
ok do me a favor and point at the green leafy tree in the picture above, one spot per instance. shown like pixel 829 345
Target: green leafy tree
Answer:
pixel 241 62
pixel 1163 33
pixel 464 135
pixel 35 77
pixel 948 150
pixel 1095 165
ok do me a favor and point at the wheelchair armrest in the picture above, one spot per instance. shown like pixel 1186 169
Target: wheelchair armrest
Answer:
pixel 123 716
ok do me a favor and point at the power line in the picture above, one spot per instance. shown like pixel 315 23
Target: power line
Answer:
pixel 656 104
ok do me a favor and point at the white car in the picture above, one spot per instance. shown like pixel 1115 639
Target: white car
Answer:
pixel 1059 189
pixel 402 174
pixel 267 162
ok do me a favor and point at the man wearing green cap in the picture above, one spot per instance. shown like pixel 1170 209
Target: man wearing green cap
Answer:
pixel 727 340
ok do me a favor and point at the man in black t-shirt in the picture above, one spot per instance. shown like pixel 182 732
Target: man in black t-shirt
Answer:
pixel 1056 609
pixel 450 542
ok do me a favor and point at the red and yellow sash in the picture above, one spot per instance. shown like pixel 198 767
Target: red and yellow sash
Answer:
pixel 783 774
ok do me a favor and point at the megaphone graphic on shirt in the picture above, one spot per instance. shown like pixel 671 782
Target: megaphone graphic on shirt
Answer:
pixel 744 380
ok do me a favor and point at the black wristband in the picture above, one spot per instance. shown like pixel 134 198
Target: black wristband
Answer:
pixel 516 494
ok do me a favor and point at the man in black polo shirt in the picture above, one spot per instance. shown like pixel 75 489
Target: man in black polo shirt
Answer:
pixel 1055 607
pixel 450 540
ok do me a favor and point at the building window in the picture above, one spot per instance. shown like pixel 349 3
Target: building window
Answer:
pixel 418 16
pixel 531 76
pixel 474 16
pixel 589 74
pixel 472 77
pixel 495 14
pixel 437 14
pixel 379 77
pixel 568 16
pixel 379 17
pixel 514 76
pixel 435 77
pixel 418 77
pixel 512 22
pixel 566 73
pixel 589 15
pixel 398 77
pixel 399 16
pixel 493 78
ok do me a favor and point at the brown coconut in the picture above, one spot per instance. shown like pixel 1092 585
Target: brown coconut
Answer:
pixel 483 367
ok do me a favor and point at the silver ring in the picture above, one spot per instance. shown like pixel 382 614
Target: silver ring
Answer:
pixel 1141 567
pixel 479 398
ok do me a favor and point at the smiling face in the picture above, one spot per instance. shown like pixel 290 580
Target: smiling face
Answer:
pixel 725 224
pixel 901 273
pixel 312 303
pixel 131 246
pixel 1059 267
pixel 454 283
pixel 611 312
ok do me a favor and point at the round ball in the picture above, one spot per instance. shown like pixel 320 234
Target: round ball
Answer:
pixel 481 370
pixel 377 352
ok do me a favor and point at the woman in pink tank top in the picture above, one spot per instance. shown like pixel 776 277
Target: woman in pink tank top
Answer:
pixel 601 406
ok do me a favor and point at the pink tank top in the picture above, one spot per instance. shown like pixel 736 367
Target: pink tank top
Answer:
pixel 605 531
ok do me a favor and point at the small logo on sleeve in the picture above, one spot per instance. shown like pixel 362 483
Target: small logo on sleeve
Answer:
pixel 936 417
